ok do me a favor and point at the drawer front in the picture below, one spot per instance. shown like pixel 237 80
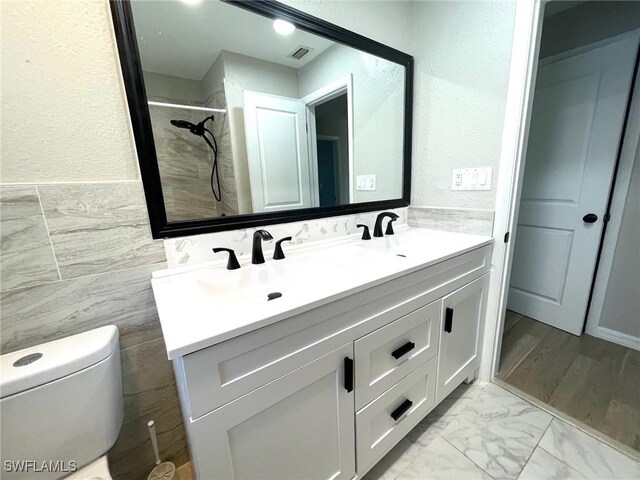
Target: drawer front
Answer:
pixel 216 375
pixel 386 420
pixel 387 355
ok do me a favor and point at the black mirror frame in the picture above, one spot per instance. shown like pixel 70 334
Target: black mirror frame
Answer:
pixel 145 148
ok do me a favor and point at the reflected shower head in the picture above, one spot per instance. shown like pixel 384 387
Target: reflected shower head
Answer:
pixel 196 129
pixel 182 124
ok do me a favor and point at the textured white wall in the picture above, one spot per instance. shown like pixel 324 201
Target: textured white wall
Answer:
pixel 462 51
pixel 64 114
pixel 168 86
pixel 378 105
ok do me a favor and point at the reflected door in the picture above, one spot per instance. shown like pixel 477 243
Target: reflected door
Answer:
pixel 280 172
pixel 578 112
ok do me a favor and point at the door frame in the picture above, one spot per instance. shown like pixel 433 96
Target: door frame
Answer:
pixel 529 17
pixel 324 94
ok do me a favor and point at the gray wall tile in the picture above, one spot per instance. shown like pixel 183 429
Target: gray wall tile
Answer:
pixel 97 228
pixel 26 257
pixel 477 222
pixel 131 458
pixel 33 315
pixel 147 378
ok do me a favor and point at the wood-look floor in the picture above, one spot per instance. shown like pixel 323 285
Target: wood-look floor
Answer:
pixel 592 380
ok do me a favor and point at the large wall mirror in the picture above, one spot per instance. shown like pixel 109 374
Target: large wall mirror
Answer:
pixel 253 113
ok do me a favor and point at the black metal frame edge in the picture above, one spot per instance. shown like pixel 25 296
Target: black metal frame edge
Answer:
pixel 141 122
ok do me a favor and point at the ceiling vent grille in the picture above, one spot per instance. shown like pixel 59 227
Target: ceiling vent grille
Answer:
pixel 300 52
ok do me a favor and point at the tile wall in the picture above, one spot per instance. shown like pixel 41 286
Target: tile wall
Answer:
pixel 74 257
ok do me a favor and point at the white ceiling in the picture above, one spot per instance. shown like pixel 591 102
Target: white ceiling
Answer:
pixel 184 40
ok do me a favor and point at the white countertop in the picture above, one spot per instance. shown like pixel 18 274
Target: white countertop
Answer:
pixel 203 305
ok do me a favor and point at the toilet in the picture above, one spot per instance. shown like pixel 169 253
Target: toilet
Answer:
pixel 61 407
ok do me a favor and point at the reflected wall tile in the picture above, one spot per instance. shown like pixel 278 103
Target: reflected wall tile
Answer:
pixel 147 378
pixel 26 256
pixel 586 454
pixel 34 315
pixel 197 249
pixel 97 228
pixel 473 221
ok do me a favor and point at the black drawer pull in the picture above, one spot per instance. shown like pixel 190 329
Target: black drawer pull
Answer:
pixel 403 350
pixel 348 374
pixel 401 410
pixel 448 320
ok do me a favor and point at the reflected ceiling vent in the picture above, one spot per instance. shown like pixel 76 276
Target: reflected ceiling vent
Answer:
pixel 300 52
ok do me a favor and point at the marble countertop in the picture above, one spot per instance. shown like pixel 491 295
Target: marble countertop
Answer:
pixel 206 304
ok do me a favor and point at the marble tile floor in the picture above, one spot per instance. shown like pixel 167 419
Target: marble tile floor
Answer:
pixel 482 431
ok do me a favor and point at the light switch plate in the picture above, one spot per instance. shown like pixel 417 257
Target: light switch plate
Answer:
pixel 471 178
pixel 365 182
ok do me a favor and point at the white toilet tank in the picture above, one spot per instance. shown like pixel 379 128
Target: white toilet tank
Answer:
pixel 60 405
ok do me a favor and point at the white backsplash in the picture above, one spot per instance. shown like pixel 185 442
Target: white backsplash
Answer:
pixel 197 249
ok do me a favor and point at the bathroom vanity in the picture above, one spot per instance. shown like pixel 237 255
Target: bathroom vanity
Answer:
pixel 322 381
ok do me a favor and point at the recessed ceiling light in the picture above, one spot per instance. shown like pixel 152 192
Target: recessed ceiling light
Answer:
pixel 191 2
pixel 283 27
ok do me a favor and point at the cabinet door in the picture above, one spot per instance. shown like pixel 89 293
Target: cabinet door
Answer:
pixel 462 321
pixel 300 426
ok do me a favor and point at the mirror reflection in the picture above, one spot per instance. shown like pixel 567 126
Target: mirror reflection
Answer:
pixel 253 115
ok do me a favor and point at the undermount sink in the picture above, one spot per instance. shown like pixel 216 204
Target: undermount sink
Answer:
pixel 202 306
pixel 253 284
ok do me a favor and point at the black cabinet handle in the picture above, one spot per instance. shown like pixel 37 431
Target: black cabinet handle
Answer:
pixel 590 218
pixel 348 374
pixel 403 350
pixel 448 320
pixel 401 410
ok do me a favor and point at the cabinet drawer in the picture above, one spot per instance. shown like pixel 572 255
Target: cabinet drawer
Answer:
pixel 386 420
pixel 388 354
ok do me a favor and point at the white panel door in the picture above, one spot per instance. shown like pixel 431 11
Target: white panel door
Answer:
pixel 278 153
pixel 576 123
pixel 300 426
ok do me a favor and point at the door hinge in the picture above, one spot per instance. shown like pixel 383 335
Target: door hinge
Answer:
pixel 607 217
pixel 506 237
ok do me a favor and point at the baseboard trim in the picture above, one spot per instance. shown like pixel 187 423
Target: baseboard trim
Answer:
pixel 616 337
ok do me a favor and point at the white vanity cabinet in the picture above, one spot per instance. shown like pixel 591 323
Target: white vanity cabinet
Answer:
pixel 463 314
pixel 298 426
pixel 327 392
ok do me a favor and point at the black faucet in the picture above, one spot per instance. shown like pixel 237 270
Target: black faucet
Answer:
pixel 256 252
pixel 377 229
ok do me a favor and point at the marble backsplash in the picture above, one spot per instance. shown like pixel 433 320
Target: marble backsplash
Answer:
pixel 197 249
pixel 462 220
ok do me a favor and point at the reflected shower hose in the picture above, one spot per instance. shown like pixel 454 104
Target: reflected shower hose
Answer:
pixel 200 130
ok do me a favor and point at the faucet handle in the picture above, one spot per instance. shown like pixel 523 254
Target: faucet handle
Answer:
pixel 278 254
pixel 389 230
pixel 232 263
pixel 365 233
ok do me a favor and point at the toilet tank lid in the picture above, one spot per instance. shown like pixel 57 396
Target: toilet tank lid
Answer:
pixel 44 363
